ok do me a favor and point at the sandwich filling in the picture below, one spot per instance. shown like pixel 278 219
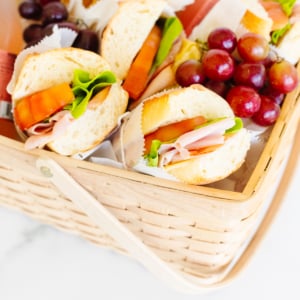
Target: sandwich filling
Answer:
pixel 204 138
pixel 46 115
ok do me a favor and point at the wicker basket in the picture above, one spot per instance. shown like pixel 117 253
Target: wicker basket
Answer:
pixel 193 237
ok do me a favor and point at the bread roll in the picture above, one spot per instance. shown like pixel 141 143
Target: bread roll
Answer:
pixel 177 105
pixel 42 71
pixel 127 31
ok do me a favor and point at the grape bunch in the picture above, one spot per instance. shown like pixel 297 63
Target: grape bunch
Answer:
pixel 44 14
pixel 245 71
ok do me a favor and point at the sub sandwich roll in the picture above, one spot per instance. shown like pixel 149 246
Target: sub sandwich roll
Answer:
pixel 126 32
pixel 141 42
pixel 203 16
pixel 66 99
pixel 189 133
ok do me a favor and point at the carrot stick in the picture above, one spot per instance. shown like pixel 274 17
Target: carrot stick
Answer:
pixel 137 77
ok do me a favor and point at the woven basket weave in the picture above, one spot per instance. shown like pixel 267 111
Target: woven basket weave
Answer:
pixel 193 233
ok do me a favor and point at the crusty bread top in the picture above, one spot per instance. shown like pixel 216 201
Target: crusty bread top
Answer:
pixel 180 104
pixel 43 70
pixel 126 32
pixel 256 19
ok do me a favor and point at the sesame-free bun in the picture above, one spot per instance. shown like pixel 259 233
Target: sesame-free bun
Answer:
pixel 40 71
pixel 126 32
pixel 180 104
pixel 47 69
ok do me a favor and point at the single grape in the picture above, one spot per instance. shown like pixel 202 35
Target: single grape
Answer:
pixel 272 94
pixel 283 76
pixel 44 2
pixel 190 72
pixel 48 29
pixel 33 33
pixel 244 101
pixel 88 40
pixel 30 10
pixel 218 65
pixel 219 87
pixel 252 47
pixel 54 12
pixel 222 38
pixel 268 112
pixel 250 74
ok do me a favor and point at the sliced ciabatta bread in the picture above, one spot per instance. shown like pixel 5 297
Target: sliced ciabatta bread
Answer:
pixel 126 32
pixel 193 134
pixel 95 102
pixel 41 71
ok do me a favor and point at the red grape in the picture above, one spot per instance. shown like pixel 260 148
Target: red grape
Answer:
pixel 33 33
pixel 218 65
pixel 272 94
pixel 250 74
pixel 222 38
pixel 190 72
pixel 252 47
pixel 54 12
pixel 44 2
pixel 219 87
pixel 30 10
pixel 283 76
pixel 267 113
pixel 88 40
pixel 244 101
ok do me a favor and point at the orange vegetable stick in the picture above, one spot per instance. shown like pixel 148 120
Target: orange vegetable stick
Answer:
pixel 137 76
pixel 41 105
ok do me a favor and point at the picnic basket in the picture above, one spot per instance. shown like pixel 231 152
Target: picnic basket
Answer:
pixel 193 237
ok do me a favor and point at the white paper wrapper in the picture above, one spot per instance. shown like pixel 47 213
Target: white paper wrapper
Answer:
pixel 95 16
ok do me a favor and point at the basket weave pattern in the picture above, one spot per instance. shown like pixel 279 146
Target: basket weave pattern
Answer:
pixel 198 230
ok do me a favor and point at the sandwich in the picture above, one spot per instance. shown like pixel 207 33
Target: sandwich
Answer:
pixel 201 17
pixel 285 33
pixel 190 134
pixel 140 43
pixel 67 100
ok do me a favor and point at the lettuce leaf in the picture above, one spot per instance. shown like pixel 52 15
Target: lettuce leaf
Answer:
pixel 171 31
pixel 287 6
pixel 84 88
pixel 238 126
pixel 277 34
pixel 152 157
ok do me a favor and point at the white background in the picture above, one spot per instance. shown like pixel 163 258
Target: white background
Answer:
pixel 38 262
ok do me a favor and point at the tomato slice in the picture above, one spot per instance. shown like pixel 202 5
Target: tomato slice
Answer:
pixel 138 74
pixel 41 105
pixel 193 14
pixel 172 131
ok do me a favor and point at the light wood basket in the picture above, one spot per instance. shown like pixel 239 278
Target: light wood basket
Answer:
pixel 194 238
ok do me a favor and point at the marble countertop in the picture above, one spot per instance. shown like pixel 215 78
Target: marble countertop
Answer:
pixel 37 262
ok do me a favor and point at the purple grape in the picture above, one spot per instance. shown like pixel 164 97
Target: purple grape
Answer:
pixel 54 12
pixel 88 40
pixel 30 10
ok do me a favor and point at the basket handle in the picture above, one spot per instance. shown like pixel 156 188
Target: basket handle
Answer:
pixel 108 222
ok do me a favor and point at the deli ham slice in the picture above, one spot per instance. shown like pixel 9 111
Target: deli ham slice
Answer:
pixel 43 133
pixel 185 145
